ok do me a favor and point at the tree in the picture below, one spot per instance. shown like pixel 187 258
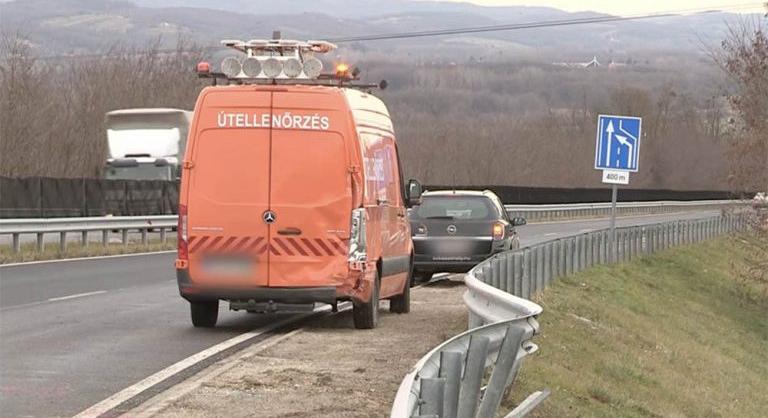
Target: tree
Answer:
pixel 744 57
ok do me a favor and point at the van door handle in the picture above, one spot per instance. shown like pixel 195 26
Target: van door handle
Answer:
pixel 382 202
pixel 289 231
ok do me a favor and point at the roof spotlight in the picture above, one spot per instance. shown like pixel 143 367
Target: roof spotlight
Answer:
pixel 312 67
pixel 292 67
pixel 272 67
pixel 251 67
pixel 231 67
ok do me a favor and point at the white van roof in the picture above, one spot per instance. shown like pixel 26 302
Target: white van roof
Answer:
pixel 368 110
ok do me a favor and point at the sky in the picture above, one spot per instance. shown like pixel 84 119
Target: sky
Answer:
pixel 629 7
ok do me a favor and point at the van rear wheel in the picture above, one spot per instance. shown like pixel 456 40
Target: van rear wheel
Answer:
pixel 423 276
pixel 366 315
pixel 401 303
pixel 204 314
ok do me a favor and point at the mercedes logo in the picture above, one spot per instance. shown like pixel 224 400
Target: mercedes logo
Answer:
pixel 451 229
pixel 269 217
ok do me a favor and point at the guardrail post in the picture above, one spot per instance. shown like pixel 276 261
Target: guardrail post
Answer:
pixel 624 245
pixel 450 370
pixel 469 395
pixel 84 238
pixel 505 361
pixel 40 242
pixel 603 255
pixel 548 248
pixel 560 258
pixel 144 238
pixel 163 236
pixel 432 391
pixel 577 248
pixel 539 250
pixel 668 229
pixel 568 256
pixel 517 277
pixel 525 291
pixel 125 237
pixel 105 237
pixel 16 243
pixel 62 241
pixel 494 272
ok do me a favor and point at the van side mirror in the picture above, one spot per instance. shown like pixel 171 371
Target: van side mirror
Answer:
pixel 413 193
pixel 518 221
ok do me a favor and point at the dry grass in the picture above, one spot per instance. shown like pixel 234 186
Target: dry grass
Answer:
pixel 75 250
pixel 682 333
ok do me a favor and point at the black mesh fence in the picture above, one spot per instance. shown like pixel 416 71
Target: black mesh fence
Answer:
pixel 36 197
pixel 42 197
pixel 552 195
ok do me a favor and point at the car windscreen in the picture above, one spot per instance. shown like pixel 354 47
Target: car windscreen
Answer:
pixel 456 207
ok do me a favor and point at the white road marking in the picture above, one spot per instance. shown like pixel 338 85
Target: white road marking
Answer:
pixel 581 231
pixel 551 234
pixel 154 406
pixel 115 400
pixel 101 257
pixel 77 295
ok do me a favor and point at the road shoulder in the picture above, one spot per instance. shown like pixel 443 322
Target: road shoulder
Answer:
pixel 324 368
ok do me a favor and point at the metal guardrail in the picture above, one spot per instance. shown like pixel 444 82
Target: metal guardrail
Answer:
pixel 444 383
pixel 529 270
pixel 447 382
pixel 534 213
pixel 63 226
pixel 41 226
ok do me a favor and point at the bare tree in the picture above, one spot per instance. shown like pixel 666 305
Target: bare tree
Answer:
pixel 52 110
pixel 744 57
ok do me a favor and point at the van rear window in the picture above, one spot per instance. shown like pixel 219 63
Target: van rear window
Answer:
pixel 456 207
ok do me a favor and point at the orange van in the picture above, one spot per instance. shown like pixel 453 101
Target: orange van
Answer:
pixel 292 195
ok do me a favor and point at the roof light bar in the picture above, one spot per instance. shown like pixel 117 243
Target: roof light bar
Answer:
pixel 282 61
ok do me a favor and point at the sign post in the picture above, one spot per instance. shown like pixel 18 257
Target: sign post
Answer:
pixel 617 152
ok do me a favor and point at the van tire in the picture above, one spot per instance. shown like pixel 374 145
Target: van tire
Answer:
pixel 204 314
pixel 366 315
pixel 423 276
pixel 401 304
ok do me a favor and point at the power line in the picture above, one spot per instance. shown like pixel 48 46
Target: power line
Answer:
pixel 540 24
pixel 464 30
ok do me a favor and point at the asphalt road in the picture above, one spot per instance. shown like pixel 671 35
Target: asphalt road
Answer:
pixel 73 333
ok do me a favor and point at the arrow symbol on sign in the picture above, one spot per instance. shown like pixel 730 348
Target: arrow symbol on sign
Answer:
pixel 609 130
pixel 623 141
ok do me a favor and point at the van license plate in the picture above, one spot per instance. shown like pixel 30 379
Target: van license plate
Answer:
pixel 228 266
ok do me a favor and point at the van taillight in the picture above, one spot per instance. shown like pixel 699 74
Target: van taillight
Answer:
pixel 182 237
pixel 498 231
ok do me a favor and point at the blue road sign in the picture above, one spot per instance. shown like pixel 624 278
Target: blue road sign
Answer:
pixel 618 143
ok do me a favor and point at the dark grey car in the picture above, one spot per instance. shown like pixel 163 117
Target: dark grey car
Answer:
pixel 454 230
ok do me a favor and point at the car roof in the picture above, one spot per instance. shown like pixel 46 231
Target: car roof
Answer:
pixel 483 193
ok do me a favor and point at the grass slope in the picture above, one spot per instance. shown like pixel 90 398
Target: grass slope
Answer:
pixel 75 250
pixel 681 333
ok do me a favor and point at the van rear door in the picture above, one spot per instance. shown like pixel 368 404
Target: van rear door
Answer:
pixel 311 192
pixel 229 190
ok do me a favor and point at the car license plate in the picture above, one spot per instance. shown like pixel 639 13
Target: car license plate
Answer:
pixel 228 266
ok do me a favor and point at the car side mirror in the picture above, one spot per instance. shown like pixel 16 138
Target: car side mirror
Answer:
pixel 413 193
pixel 519 221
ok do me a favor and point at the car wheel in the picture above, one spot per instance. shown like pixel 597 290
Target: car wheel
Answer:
pixel 204 314
pixel 366 314
pixel 423 276
pixel 401 303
